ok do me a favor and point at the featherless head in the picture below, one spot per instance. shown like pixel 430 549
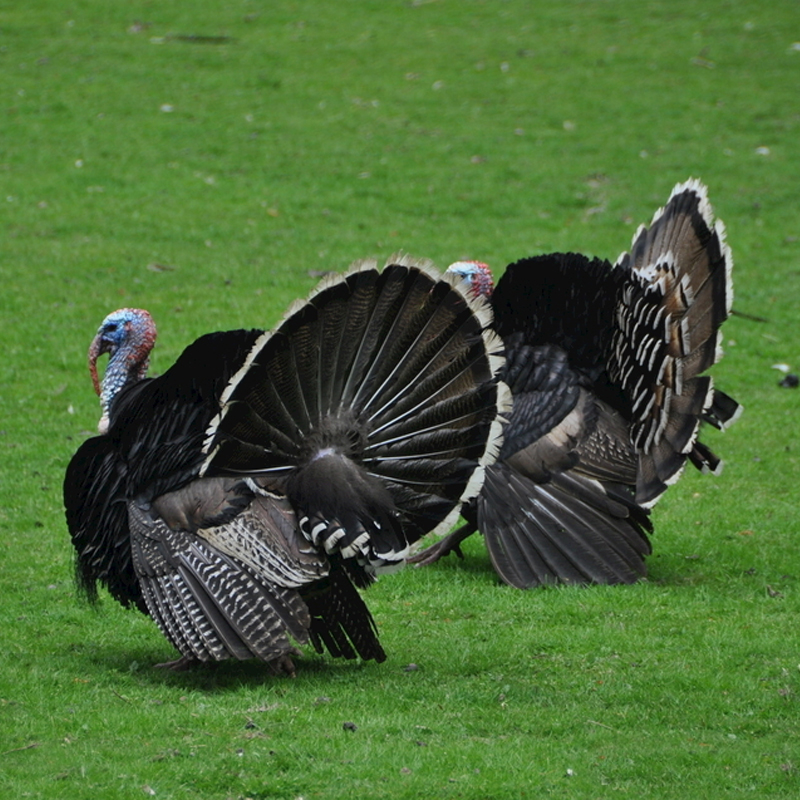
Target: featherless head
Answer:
pixel 476 274
pixel 128 336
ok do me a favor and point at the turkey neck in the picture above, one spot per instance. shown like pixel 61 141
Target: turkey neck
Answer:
pixel 127 363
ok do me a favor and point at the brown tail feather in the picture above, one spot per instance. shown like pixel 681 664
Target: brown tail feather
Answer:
pixel 680 293
pixel 723 411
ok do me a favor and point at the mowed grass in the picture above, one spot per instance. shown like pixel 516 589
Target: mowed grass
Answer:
pixel 207 161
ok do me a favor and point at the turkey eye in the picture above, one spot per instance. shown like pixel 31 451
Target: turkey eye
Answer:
pixel 111 327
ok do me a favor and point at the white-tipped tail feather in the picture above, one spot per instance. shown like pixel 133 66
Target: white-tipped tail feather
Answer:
pixel 374 405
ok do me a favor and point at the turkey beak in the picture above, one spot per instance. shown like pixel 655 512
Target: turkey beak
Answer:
pixel 97 348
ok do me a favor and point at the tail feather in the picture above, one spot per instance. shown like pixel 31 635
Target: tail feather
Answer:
pixel 662 465
pixel 678 295
pixel 702 357
pixel 686 410
pixel 684 231
pixel 367 367
pixel 704 459
pixel 723 411
pixel 383 386
pixel 408 342
pixel 569 530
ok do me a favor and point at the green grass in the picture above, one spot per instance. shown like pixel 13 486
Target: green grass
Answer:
pixel 316 133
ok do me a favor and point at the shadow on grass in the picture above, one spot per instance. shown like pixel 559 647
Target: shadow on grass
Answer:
pixel 663 569
pixel 229 675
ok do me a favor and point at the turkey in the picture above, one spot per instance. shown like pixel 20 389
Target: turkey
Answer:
pixel 241 497
pixel 604 365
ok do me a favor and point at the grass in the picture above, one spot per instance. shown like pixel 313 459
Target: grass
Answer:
pixel 209 180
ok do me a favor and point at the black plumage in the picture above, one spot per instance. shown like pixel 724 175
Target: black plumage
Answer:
pixel 604 365
pixel 241 497
pixel 155 447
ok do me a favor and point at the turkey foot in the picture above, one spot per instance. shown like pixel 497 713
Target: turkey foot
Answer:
pixel 450 544
pixel 283 665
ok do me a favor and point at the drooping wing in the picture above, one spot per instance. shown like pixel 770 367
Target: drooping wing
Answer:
pixel 558 507
pixel 208 604
pixel 570 529
pixel 97 518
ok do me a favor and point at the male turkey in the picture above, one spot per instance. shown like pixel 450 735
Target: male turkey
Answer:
pixel 604 367
pixel 238 497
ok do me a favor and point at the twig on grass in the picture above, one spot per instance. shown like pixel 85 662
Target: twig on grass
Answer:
pixel 602 725
pixel 18 749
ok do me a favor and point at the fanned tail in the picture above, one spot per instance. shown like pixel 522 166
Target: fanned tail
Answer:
pixel 373 405
pixel 568 530
pixel 678 295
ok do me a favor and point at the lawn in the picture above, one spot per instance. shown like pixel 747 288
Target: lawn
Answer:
pixel 208 161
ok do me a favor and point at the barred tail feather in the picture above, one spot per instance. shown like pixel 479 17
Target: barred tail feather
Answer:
pixel 704 459
pixel 723 411
pixel 679 293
